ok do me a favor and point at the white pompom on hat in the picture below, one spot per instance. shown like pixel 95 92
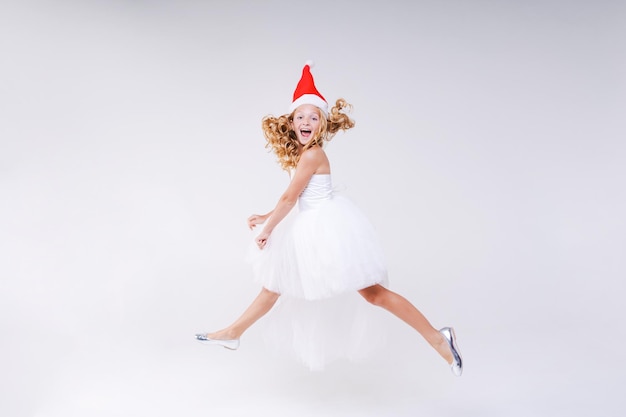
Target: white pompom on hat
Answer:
pixel 306 93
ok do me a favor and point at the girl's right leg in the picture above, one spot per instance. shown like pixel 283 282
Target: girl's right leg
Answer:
pixel 407 312
pixel 259 307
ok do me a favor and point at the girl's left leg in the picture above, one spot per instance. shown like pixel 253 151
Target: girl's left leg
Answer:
pixel 407 312
pixel 257 309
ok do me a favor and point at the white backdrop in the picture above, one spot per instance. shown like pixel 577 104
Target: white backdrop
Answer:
pixel 489 153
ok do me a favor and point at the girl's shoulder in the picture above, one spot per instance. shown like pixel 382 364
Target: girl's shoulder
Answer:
pixel 315 159
pixel 314 152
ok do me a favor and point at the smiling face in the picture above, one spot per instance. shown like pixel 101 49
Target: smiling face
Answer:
pixel 306 122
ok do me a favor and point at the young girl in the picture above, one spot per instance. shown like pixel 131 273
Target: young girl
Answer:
pixel 317 256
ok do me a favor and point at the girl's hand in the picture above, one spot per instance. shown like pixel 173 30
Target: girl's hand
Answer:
pixel 261 239
pixel 256 219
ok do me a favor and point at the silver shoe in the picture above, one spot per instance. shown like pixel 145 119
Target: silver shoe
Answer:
pixel 457 361
pixel 231 344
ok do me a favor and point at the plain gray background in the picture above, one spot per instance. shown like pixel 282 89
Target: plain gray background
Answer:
pixel 488 151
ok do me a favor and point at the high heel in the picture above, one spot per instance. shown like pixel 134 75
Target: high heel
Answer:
pixel 457 361
pixel 231 344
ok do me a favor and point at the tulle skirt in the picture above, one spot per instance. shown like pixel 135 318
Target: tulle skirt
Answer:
pixel 317 259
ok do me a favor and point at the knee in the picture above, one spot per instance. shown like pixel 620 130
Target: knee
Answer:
pixel 374 295
pixel 270 296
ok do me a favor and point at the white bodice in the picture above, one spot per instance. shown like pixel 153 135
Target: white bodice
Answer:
pixel 318 190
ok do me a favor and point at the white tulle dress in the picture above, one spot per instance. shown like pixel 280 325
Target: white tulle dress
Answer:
pixel 317 258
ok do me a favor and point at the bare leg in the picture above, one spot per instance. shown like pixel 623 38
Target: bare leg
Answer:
pixel 259 307
pixel 403 309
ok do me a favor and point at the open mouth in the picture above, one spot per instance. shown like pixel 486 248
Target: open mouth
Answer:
pixel 305 133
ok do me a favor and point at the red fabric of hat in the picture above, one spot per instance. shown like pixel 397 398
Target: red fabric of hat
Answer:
pixel 306 93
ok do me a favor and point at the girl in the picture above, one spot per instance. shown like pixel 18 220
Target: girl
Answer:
pixel 316 257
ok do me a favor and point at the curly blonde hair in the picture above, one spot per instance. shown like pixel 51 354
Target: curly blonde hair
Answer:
pixel 282 140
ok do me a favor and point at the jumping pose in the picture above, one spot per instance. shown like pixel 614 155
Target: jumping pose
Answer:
pixel 316 249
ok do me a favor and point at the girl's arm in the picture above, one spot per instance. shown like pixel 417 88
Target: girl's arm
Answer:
pixel 309 162
pixel 258 219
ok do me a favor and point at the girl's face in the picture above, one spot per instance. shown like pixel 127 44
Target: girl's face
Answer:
pixel 306 122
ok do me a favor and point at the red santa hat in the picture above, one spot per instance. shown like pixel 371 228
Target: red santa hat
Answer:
pixel 306 93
